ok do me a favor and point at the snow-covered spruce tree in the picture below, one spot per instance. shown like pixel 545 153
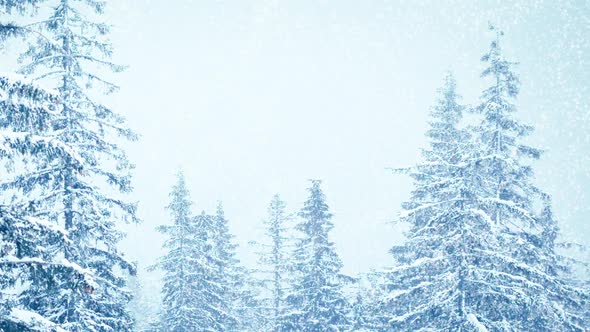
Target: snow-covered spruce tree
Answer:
pixel 427 289
pixel 226 275
pixel 275 262
pixel 191 291
pixel 478 257
pixel 529 284
pixel 237 298
pixel 316 301
pixel 28 239
pixel 75 192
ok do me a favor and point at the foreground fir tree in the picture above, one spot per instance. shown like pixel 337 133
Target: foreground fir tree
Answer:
pixel 29 241
pixel 31 259
pixel 76 191
pixel 316 301
pixel 275 262
pixel 478 256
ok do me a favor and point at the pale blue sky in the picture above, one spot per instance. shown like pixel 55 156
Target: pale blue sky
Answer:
pixel 253 97
pixel 256 97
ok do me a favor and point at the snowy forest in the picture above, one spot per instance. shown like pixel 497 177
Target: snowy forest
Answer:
pixel 297 229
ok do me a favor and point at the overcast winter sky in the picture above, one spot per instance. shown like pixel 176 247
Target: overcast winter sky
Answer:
pixel 254 97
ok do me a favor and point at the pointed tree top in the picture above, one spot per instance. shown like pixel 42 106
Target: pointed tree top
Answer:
pixel 180 174
pixel 450 81
pixel 506 81
pixel 495 44
pixel 180 186
pixel 448 109
pixel 315 190
pixel 449 88
pixel 499 33
pixel 315 205
pixel 276 202
pixel 220 212
pixel 315 186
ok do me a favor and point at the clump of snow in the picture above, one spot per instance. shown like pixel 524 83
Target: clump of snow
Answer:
pixel 471 318
pixel 33 320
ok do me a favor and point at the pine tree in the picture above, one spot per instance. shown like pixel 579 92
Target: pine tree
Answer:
pixel 187 295
pixel 237 298
pixel 205 286
pixel 275 262
pixel 316 301
pixel 227 273
pixel 527 268
pixel 478 256
pixel 28 238
pixel 74 194
pixel 426 289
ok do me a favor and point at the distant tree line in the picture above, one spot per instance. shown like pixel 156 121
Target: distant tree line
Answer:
pixel 482 252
